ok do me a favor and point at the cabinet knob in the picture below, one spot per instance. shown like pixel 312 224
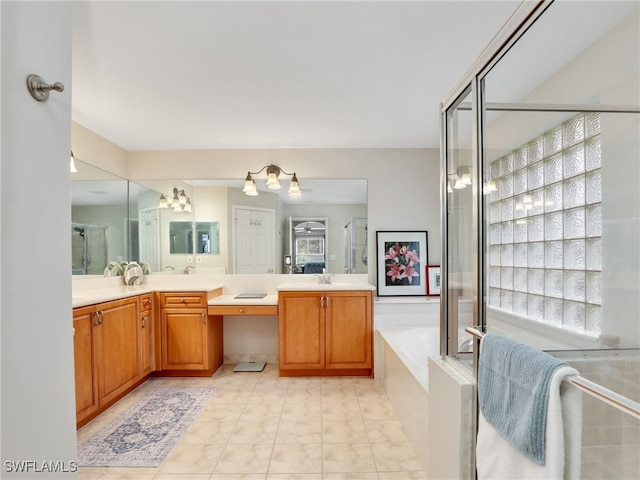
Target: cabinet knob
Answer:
pixel 241 310
pixel 204 318
pixel 182 300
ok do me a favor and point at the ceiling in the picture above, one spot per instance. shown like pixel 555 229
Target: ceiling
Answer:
pixel 201 75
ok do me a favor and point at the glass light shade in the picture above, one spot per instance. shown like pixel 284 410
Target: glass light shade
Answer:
pixel 187 206
pixel 182 199
pixel 459 185
pixel 249 184
pixel 294 187
pixel 72 164
pixel 163 202
pixel 177 207
pixel 490 187
pixel 466 178
pixel 253 190
pixel 449 189
pixel 272 181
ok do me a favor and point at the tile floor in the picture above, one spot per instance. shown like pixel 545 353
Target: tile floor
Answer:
pixel 263 427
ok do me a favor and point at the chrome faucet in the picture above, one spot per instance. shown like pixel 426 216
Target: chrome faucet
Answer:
pixel 324 278
pixel 169 267
pixel 187 268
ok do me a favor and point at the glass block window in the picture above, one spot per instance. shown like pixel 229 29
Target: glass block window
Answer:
pixel 545 227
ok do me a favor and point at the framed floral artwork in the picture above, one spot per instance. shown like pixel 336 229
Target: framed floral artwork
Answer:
pixel 401 259
pixel 433 280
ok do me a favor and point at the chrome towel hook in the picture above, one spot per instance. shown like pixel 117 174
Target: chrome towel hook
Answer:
pixel 39 89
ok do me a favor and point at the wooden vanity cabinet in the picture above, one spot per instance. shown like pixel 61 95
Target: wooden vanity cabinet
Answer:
pixel 146 329
pixel 86 379
pixel 325 332
pixel 106 349
pixel 191 340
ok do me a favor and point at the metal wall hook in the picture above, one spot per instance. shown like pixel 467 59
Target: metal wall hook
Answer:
pixel 39 89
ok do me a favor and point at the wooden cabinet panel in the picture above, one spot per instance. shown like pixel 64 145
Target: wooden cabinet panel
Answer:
pixel 117 347
pixel 147 334
pixel 301 331
pixel 242 310
pixel 184 340
pixel 146 302
pixel 191 341
pixel 86 382
pixel 106 354
pixel 348 330
pixel 147 343
pixel 183 300
pixel 327 333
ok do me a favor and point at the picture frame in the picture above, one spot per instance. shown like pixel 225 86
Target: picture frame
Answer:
pixel 433 280
pixel 401 256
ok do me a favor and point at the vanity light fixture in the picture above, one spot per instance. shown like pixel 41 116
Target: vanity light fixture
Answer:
pixel 72 163
pixel 177 200
pixel 461 178
pixel 490 187
pixel 273 172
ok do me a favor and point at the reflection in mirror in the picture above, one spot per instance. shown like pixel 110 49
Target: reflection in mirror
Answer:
pixel 337 200
pixel 180 237
pixel 308 240
pixel 99 219
pixel 208 238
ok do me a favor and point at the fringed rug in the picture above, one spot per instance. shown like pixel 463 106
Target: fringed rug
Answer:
pixel 145 433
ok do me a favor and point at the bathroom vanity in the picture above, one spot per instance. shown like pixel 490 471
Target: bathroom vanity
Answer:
pixel 173 326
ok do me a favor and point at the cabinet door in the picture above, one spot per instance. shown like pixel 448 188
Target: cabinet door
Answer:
pixel 301 343
pixel 348 329
pixel 184 339
pixel 85 379
pixel 117 347
pixel 146 347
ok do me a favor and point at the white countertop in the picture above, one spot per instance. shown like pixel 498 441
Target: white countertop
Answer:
pixel 308 286
pixel 98 290
pixel 90 296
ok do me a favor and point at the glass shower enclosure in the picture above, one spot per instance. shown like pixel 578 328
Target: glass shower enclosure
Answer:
pixel 88 249
pixel 541 208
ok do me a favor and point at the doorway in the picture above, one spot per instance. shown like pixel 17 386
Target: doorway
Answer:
pixel 308 238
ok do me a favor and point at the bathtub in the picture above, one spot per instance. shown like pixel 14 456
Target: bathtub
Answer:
pixel 402 369
pixel 413 345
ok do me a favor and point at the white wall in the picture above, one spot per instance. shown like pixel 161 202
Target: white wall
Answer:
pixel 212 207
pixel 37 383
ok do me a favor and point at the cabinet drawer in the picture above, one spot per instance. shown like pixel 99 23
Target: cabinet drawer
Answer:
pixel 243 310
pixel 183 300
pixel 146 302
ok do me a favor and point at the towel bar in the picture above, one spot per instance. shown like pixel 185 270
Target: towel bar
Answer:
pixel 610 397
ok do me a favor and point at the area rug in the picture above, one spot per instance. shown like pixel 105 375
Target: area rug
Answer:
pixel 145 433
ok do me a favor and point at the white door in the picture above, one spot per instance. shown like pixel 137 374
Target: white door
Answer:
pixel 253 240
pixel 149 238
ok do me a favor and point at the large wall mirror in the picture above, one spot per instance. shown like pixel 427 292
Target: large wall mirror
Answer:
pixel 209 236
pixel 118 220
pixel 99 220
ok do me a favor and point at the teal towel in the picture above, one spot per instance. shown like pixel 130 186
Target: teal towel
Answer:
pixel 513 392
